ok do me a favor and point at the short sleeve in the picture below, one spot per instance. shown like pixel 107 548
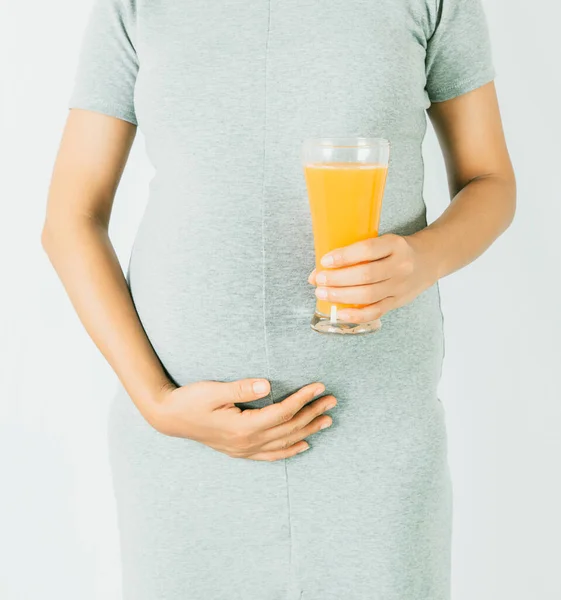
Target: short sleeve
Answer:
pixel 108 65
pixel 458 58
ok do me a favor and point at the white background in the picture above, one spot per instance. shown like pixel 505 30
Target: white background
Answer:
pixel 58 536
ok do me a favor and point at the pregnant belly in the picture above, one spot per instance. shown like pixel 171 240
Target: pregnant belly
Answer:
pixel 221 290
pixel 222 320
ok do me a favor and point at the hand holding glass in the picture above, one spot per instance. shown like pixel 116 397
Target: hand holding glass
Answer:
pixel 346 179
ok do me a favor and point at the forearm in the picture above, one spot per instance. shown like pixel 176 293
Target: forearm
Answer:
pixel 85 260
pixel 476 217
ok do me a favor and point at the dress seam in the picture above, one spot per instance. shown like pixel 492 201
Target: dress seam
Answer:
pixel 267 357
pixel 264 295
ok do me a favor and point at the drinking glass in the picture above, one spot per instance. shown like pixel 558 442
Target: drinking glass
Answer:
pixel 345 178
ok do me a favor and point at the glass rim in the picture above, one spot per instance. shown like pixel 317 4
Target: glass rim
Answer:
pixel 347 142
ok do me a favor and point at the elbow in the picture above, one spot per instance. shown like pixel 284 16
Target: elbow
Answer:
pixel 53 236
pixel 63 234
pixel 511 198
pixel 48 238
pixel 504 193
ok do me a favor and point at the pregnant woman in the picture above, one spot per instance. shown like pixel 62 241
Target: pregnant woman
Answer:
pixel 222 491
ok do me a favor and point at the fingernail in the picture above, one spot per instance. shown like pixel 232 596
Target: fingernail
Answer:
pixel 319 390
pixel 321 278
pixel 327 260
pixel 260 387
pixel 321 293
pixel 304 449
pixel 332 405
pixel 325 426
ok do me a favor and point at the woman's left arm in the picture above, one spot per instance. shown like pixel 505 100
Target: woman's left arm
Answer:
pixel 390 271
pixel 480 177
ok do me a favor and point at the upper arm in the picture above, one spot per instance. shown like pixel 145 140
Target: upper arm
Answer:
pixel 101 127
pixel 470 133
pixel 90 161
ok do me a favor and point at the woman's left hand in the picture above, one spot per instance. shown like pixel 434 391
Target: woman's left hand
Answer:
pixel 381 273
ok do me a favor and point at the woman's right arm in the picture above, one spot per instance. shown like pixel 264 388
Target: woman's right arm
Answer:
pixel 92 156
pixel 91 159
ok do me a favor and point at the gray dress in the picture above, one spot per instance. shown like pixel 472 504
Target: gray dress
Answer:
pixel 225 92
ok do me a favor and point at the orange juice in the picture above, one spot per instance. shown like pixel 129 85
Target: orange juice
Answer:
pixel 345 202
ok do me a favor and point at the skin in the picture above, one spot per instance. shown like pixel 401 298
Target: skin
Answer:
pixel 394 270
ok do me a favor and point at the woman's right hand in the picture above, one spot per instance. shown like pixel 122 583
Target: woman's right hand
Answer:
pixel 206 412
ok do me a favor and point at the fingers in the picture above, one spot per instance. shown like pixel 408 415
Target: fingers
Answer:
pixel 307 421
pixel 366 250
pixel 261 419
pixel 280 454
pixel 278 430
pixel 299 434
pixel 311 277
pixel 369 313
pixel 242 390
pixel 359 294
pixel 362 274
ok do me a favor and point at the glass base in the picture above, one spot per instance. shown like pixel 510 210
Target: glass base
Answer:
pixel 324 324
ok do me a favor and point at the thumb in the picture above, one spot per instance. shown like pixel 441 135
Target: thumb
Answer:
pixel 242 390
